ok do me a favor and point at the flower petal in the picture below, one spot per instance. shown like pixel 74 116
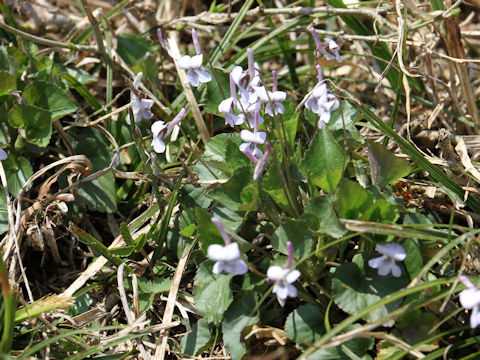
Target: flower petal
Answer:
pixel 217 267
pixel 203 76
pixel 281 290
pixel 192 78
pixel 470 298
pixel 466 281
pixel 247 136
pixel 196 61
pixel 275 272
pixel 376 262
pixel 237 267
pixel 392 250
pixel 216 252
pixel 292 291
pixel 386 266
pixel 475 317
pixel 396 270
pixel 157 127
pixel 292 276
pixel 232 252
pixel 237 74
pixel 184 62
pixel 158 145
pixel 3 154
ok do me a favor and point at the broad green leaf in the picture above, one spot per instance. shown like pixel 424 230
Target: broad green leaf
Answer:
pixel 343 118
pixel 212 95
pixel 295 231
pixel 305 325
pixel 131 48
pixel 324 161
pixel 353 199
pixel 290 122
pixel 354 289
pixel 237 318
pixel 272 186
pixel 414 260
pixel 49 97
pixel 212 292
pixel 415 326
pixel 386 168
pixel 18 171
pixel 198 340
pixel 156 286
pixel 188 231
pixel 321 208
pixel 7 82
pixel 36 122
pixel 381 211
pixel 207 232
pixel 229 193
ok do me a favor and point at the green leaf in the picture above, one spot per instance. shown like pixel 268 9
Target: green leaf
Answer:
pixel 212 292
pixel 305 325
pixel 297 232
pixel 122 251
pixel 18 170
pixel 290 122
pixel 353 199
pixel 324 161
pixel 49 97
pixel 156 286
pixel 36 122
pixel 197 341
pixel 213 96
pixel 7 82
pixel 385 167
pixel 131 48
pixel 229 193
pixel 125 232
pixel 414 260
pixel 238 317
pixel 188 231
pixel 354 289
pixel 3 213
pixel 321 208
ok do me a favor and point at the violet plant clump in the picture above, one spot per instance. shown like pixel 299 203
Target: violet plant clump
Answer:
pixel 391 253
pixel 227 258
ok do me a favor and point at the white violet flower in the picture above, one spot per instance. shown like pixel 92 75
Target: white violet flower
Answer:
pixel 272 98
pixel 227 107
pixel 470 299
pixel 248 81
pixel 331 45
pixel 252 139
pixel 140 107
pixel 387 262
pixel 161 130
pixel 192 65
pixel 260 163
pixel 227 258
pixel 284 278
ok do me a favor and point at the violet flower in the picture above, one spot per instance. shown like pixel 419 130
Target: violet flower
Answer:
pixel 320 101
pixel 284 278
pixel 227 107
pixel 470 299
pixel 259 163
pixel 161 130
pixel 227 258
pixel 331 45
pixel 247 81
pixel 163 43
pixel 387 262
pixel 3 155
pixel 272 98
pixel 252 139
pixel 140 107
pixel 192 65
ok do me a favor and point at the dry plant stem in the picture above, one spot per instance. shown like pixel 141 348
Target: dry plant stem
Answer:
pixel 96 30
pixel 197 115
pixel 172 297
pixel 400 39
pixel 46 42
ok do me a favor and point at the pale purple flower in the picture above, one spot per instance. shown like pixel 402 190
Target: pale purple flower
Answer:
pixel 3 155
pixel 284 278
pixel 161 130
pixel 259 163
pixel 247 81
pixel 227 258
pixel 140 107
pixel 470 299
pixel 387 262
pixel 320 101
pixel 227 107
pixel 331 45
pixel 192 65
pixel 252 139
pixel 20 98
pixel 163 43
pixel 272 98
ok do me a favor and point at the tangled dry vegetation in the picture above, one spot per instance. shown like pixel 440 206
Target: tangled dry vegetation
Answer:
pixel 427 93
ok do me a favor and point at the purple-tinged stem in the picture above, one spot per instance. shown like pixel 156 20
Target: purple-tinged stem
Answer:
pixel 319 73
pixel 196 44
pixel 318 44
pixel 251 63
pixel 221 230
pixel 250 156
pixel 290 255
pixel 177 118
pixel 233 90
pixel 255 127
pixel 275 80
pixel 161 40
pixel 268 150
